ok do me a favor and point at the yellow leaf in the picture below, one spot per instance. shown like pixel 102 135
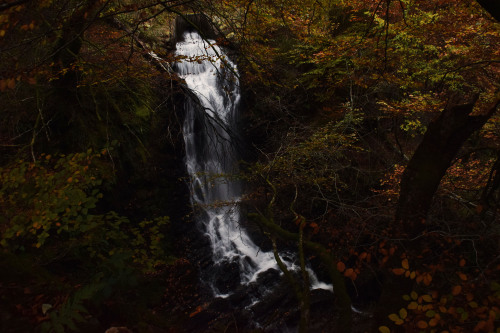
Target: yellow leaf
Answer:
pixel 394 317
pixel 413 295
pixel 412 275
pixel 384 329
pixel 403 313
pixel 2 33
pixel 405 264
pixel 427 298
pixel 412 305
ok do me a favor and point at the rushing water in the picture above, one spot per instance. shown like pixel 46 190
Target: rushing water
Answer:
pixel 209 134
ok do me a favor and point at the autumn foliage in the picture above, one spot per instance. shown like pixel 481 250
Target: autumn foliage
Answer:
pixel 339 95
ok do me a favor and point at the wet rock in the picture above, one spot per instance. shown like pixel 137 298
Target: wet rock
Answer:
pixel 226 276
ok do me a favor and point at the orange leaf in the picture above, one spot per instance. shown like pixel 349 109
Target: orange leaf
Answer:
pixel 348 272
pixel 11 83
pixel 462 276
pixel 405 264
pixel 481 326
pixel 456 290
pixel 398 271
pixel 427 279
pixel 198 309
pixel 340 266
pixel 462 263
pixel 422 324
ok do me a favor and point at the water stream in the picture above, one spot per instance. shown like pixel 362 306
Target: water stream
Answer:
pixel 209 135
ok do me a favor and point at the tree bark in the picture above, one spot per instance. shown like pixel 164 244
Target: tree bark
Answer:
pixel 444 137
pixel 69 45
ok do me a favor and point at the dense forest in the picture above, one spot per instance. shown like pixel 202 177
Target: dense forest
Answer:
pixel 370 139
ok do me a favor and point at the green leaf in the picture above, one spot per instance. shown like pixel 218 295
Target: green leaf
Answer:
pixel 46 307
pixel 430 313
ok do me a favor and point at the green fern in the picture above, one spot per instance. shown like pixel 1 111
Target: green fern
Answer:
pixel 72 311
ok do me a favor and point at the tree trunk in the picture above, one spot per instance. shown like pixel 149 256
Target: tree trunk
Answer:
pixel 444 137
pixel 68 47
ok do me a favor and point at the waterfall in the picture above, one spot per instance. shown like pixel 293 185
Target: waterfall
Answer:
pixel 211 157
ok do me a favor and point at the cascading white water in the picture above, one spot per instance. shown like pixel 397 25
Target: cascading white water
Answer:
pixel 209 129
